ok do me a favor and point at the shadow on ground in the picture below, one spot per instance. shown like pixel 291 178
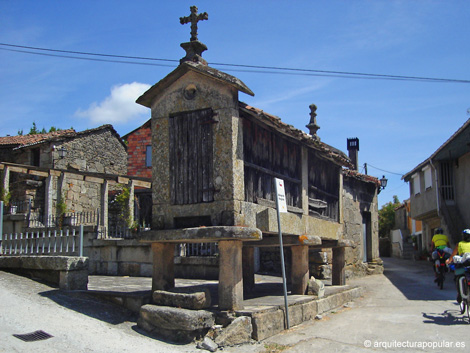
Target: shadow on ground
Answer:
pixel 91 306
pixel 448 317
pixel 415 279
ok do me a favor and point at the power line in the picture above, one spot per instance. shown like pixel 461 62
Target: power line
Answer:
pixel 382 170
pixel 257 68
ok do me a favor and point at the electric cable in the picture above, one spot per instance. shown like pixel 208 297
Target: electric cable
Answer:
pixel 256 68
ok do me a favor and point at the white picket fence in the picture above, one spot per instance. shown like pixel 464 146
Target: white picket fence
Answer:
pixel 68 242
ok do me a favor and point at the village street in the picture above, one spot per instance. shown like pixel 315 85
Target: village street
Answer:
pixel 400 309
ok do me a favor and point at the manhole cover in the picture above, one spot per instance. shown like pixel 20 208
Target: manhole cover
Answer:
pixel 34 336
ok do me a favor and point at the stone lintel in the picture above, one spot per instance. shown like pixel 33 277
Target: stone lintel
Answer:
pixel 201 235
pixel 331 243
pixel 38 173
pixel 270 240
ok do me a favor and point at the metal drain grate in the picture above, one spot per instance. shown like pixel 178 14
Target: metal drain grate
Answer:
pixel 34 336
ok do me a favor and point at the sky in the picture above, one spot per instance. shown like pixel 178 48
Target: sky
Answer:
pixel 399 122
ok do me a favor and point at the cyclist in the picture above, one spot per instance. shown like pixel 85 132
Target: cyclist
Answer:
pixel 462 248
pixel 439 241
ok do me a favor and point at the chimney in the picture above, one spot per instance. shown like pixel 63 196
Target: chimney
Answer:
pixel 353 149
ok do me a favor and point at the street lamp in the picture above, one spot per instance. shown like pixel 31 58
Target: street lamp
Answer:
pixel 383 182
pixel 62 152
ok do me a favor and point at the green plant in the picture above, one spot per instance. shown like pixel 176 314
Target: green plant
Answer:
pixel 123 201
pixel 61 208
pixel 5 196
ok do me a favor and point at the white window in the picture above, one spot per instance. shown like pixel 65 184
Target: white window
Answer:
pixel 427 177
pixel 416 184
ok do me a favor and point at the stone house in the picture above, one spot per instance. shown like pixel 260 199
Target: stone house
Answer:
pixel 439 188
pixel 214 163
pixel 139 151
pixel 139 164
pixel 405 239
pixel 98 151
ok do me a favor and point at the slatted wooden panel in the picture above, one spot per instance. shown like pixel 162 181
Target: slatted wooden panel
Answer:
pixel 323 181
pixel 268 155
pixel 191 157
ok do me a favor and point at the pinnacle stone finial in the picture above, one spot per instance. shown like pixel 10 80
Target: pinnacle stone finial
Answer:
pixel 312 125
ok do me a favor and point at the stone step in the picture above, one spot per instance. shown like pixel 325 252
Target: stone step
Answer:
pixel 268 321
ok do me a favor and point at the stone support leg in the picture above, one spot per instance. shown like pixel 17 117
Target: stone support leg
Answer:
pixel 338 275
pixel 230 275
pixel 299 269
pixel 163 277
pixel 48 200
pixel 104 206
pixel 248 255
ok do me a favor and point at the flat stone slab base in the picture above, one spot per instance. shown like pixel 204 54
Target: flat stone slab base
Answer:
pixel 265 308
pixel 268 313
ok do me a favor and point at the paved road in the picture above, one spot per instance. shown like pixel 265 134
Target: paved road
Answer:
pixel 78 322
pixel 402 311
pixel 401 307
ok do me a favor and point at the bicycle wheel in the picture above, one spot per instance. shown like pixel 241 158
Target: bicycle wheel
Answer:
pixel 462 287
pixel 440 278
pixel 462 306
pixel 467 300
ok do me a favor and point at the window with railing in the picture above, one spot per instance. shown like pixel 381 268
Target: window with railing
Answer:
pixel 447 181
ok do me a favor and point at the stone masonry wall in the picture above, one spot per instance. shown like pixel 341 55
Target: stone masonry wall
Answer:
pixel 359 198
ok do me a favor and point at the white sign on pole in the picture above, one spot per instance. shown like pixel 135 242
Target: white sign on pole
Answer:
pixel 281 195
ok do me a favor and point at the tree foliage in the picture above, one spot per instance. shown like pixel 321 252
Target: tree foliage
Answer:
pixel 387 217
pixel 33 130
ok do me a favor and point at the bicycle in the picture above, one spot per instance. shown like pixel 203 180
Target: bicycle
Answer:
pixel 462 279
pixel 440 267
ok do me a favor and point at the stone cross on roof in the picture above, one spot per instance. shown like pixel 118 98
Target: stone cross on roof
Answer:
pixel 194 18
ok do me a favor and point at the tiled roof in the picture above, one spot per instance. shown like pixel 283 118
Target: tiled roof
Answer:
pixel 359 176
pixel 29 140
pixel 26 140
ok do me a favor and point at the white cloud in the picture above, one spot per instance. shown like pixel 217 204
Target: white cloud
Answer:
pixel 119 107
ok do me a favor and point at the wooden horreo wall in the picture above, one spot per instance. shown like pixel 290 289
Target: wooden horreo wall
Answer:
pixel 323 187
pixel 268 154
pixel 191 157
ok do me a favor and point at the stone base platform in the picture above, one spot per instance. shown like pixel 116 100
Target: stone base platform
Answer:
pixel 265 306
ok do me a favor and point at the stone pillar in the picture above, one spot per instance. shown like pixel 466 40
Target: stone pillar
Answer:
pixel 230 275
pixel 248 256
pixel 104 205
pixel 48 199
pixel 6 179
pixel 299 269
pixel 131 200
pixel 338 275
pixel 163 277
pixel 61 187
